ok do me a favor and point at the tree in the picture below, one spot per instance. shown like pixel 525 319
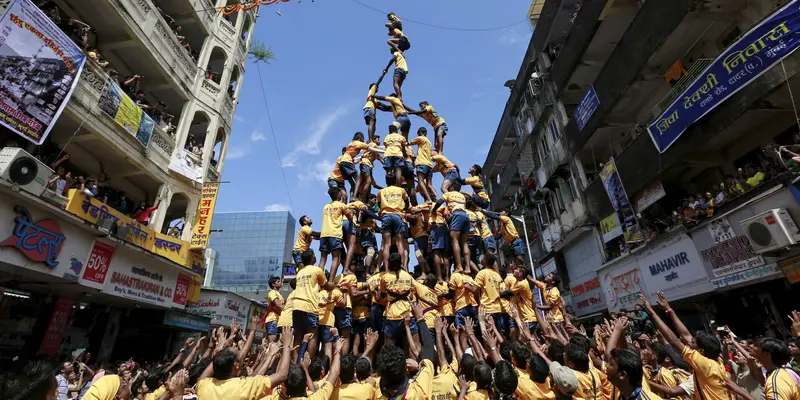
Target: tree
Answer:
pixel 260 52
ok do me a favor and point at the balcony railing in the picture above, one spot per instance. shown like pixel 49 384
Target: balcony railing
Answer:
pixel 227 109
pixel 694 71
pixel 226 30
pixel 212 175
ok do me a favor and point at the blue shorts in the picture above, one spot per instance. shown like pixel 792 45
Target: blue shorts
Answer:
pixel 474 243
pixel 303 321
pixel 408 172
pixel 404 44
pixel 421 243
pixel 325 334
pixel 369 113
pixel 376 317
pixel 348 228
pixel 482 203
pixel 365 170
pixel 442 128
pixel 425 171
pixel 348 170
pixel 329 244
pixel 272 328
pixel 396 328
pixel 332 183
pixel 368 240
pixel 391 162
pixel 360 325
pixel 297 256
pixel 392 223
pixel 489 243
pixel 344 317
pixel 500 322
pixel 452 175
pixel 462 314
pixel 400 74
pixel 405 122
pixel 517 247
pixel 459 222
pixel 449 320
pixel 440 237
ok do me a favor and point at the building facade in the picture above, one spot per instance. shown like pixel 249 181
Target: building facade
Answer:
pixel 250 247
pixel 104 281
pixel 642 155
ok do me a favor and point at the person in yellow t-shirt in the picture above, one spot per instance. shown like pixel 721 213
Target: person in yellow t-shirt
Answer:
pixel 327 320
pixel 109 387
pixel 439 242
pixel 480 196
pixel 350 389
pixel 365 165
pixel 418 217
pixel 303 242
pixel 310 280
pixel 399 39
pixel 398 111
pixel 393 202
pixel 347 165
pixel 464 300
pixel 400 68
pixel 429 114
pixel 459 226
pixel 522 297
pixel 754 177
pixel 369 110
pixel 335 179
pixel 275 308
pixel 446 311
pixel 490 285
pixel 361 306
pixel 552 296
pixel 296 380
pixel 346 283
pixel 425 292
pixel 448 170
pixel 424 164
pixel 537 384
pixel 396 284
pixel 285 319
pixel 331 235
pixel 395 145
pixel 408 174
pixel 510 235
pixel 781 382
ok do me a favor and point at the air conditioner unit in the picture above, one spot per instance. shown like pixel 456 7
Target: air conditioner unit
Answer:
pixel 22 169
pixel 771 230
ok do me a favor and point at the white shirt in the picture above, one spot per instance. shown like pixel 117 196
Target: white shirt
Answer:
pixel 63 387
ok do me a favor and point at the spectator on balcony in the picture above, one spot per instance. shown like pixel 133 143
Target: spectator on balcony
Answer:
pixel 178 35
pixel 142 213
pixel 94 55
pixel 58 182
pixel 689 214
pixel 122 203
pixel 754 176
pixel 114 75
pixel 213 158
pixel 142 102
pixel 159 112
pixel 733 187
pixel 77 31
pixel 131 84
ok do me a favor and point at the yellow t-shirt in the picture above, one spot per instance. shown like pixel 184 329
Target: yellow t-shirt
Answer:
pixel 508 282
pixel 394 143
pixel 445 304
pixel 368 158
pixel 393 200
pixel 352 150
pixel 709 374
pixel 781 386
pixel 438 217
pixel 477 186
pixel 397 284
pixel 463 296
pixel 455 200
pixel 254 387
pixel 343 284
pixel 307 294
pixel 336 175
pixel 424 149
pixel 374 283
pixel 156 393
pixel 608 387
pixel 442 164
pixel 370 101
pixel 485 230
pixel 417 228
pixel 433 118
pixel 553 297
pixel 420 387
pixel 478 395
pixel 589 386
pixel 508 229
pixel 286 315
pixel 400 61
pixel 354 391
pixel 303 239
pixel 756 179
pixel 444 384
pixel 398 108
pixel 323 392
pixel 329 299
pixel 332 215
pixel 489 282
pixel 528 389
pixel 475 228
pixel 523 299
pixel 429 301
pixel 104 388
pixel 361 304
pixel 273 314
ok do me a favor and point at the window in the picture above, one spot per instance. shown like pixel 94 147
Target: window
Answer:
pixel 566 193
pixel 544 148
pixel 554 130
pixel 542 214
pixel 558 201
pixel 572 186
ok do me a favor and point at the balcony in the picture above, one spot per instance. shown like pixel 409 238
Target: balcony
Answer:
pixel 212 175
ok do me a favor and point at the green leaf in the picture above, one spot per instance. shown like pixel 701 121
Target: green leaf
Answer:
pixel 260 52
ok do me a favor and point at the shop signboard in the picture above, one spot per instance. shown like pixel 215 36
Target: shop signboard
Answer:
pixel 41 66
pixel 40 241
pixel 622 284
pixel 753 54
pixel 586 107
pixel 548 267
pixel 222 307
pixel 648 196
pixel 732 256
pixel 184 320
pixel 791 268
pixel 205 212
pixel 258 311
pixel 587 295
pixel 136 277
pixel 673 266
pixel 764 271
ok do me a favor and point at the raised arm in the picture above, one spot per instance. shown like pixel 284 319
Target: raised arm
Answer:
pixel 661 326
pixel 680 328
pixel 190 358
pixel 249 342
pixel 286 358
pixel 616 336
pixel 436 206
pixel 336 365
pixel 424 333
pixel 439 326
pixel 385 70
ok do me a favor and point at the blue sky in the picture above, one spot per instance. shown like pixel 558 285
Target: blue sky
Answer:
pixel 327 54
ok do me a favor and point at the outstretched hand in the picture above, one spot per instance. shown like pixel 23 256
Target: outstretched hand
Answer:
pixel 795 318
pixel 662 301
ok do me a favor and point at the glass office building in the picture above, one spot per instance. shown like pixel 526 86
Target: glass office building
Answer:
pixel 250 248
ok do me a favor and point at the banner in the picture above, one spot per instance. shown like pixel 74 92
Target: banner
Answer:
pixel 732 256
pixel 122 109
pixel 610 228
pixel 221 307
pixel 741 63
pixel 187 164
pixel 749 275
pixel 721 230
pixel 59 322
pixel 205 212
pixel 622 285
pixel 619 200
pixel 97 265
pixel 648 196
pixel 40 68
pixel 586 107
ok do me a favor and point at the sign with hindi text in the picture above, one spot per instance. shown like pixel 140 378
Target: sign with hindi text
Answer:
pixel 732 256
pixel 126 113
pixel 38 241
pixel 586 107
pixel 201 231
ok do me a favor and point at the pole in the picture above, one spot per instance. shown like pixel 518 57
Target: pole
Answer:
pixel 527 242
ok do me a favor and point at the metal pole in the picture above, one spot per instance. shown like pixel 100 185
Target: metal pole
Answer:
pixel 527 243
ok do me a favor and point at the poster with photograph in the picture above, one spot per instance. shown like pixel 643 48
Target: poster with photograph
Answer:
pixel 124 111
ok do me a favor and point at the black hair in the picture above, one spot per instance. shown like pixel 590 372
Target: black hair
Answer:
pixel 333 193
pixel 223 364
pixel 293 283
pixel 477 168
pixel 422 131
pixel 578 356
pixel 395 262
pixel 505 379
pixel 316 367
pixel 490 259
pixel 196 370
pixel 393 128
pixel 430 280
pixel 660 352
pixel 448 355
pixel 273 280
pixel 555 351
pixel 35 381
pixel 296 381
pixel 538 368
pixel 708 344
pixel 348 369
pixel 308 257
pixel 582 341
pixel 778 351
pixel 520 354
pixel 344 149
pixel 359 136
pixel 371 196
pixel 303 218
pixel 505 350
pixel 137 384
pixel 363 369
pixel 628 361
pixel 483 375
pixel 390 179
pixel 391 365
pixel 156 378
pixel 467 367
pixel 556 279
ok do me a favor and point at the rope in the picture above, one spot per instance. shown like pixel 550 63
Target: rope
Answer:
pixel 274 141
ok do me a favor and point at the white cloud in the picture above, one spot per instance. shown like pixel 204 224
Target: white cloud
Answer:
pixel 239 118
pixel 514 36
pixel 277 207
pixel 237 152
pixel 257 136
pixel 319 171
pixel 310 144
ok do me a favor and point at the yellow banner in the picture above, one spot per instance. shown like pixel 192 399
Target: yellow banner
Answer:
pixel 609 227
pixel 171 248
pixel 129 115
pixel 205 211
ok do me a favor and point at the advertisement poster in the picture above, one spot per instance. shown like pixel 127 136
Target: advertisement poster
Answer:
pixel 205 212
pixel 97 265
pixel 721 230
pixel 610 228
pixel 122 109
pixel 622 285
pixel 619 200
pixel 55 329
pixel 758 50
pixel 40 68
pixel 648 196
pixel 187 164
pixel 791 268
pixel 732 256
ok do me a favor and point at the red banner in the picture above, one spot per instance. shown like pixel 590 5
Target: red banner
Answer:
pixel 182 289
pixel 98 262
pixel 55 329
